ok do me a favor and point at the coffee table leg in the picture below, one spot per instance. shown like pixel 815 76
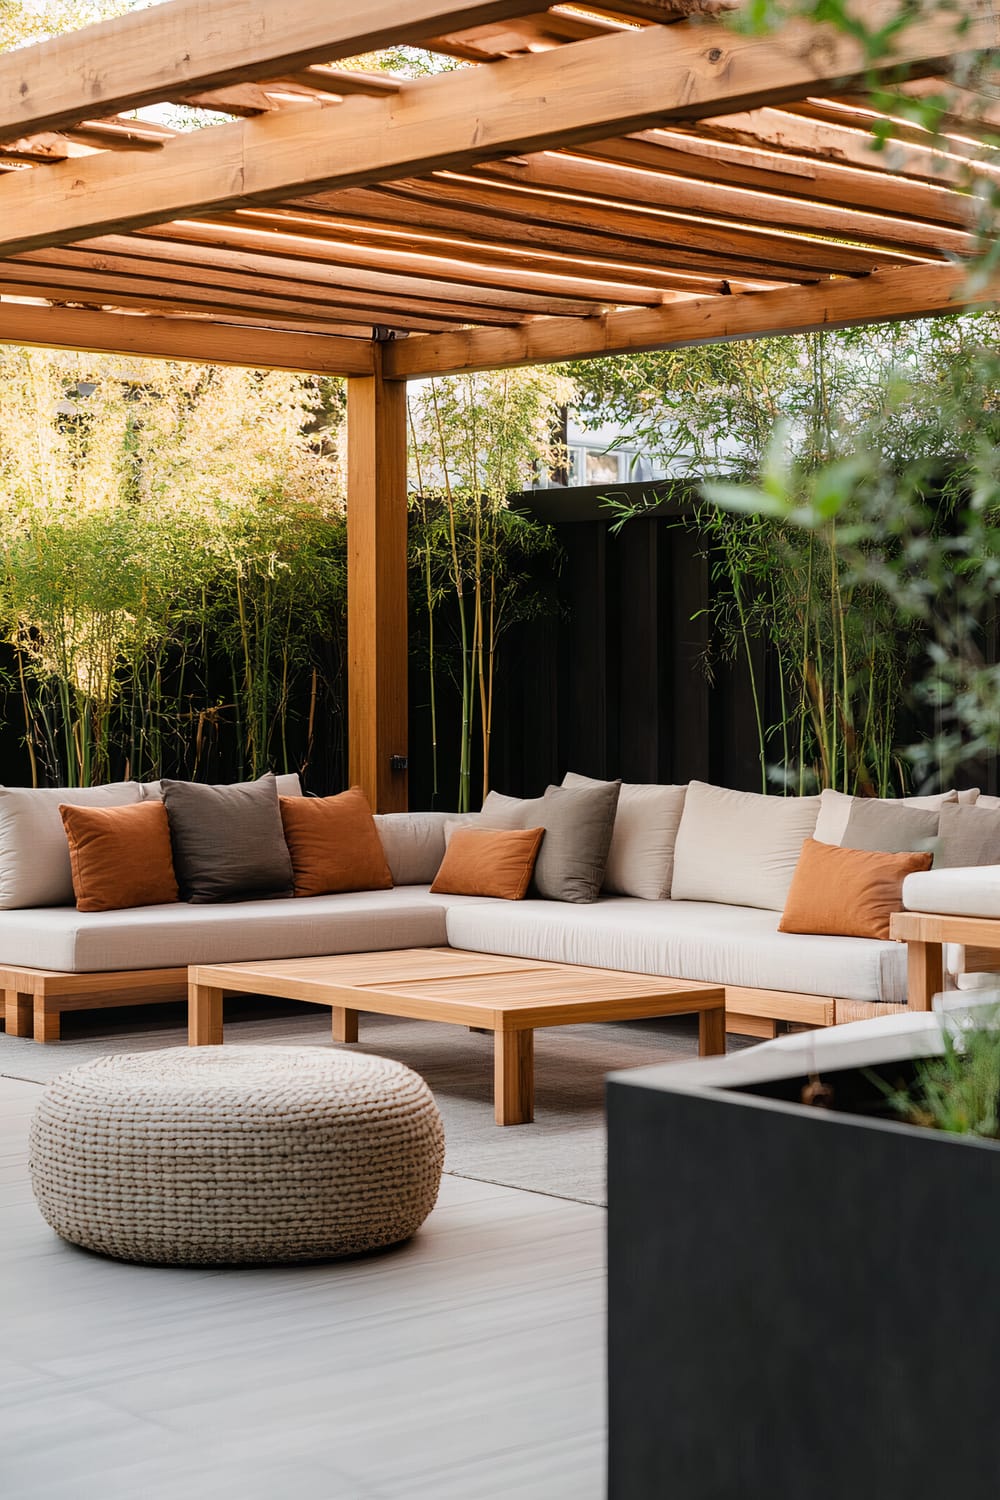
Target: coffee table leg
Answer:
pixel 514 1077
pixel 712 1032
pixel 345 1024
pixel 204 1016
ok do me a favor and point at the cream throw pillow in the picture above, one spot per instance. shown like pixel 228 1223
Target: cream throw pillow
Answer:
pixel 35 866
pixel 739 848
pixel 641 857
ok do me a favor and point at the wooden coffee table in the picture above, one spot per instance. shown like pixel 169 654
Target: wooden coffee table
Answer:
pixel 508 996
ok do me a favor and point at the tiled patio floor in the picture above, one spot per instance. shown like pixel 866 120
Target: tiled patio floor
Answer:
pixel 466 1366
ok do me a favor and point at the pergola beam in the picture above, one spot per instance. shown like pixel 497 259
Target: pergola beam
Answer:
pixel 566 96
pixel 885 296
pixel 178 338
pixel 188 46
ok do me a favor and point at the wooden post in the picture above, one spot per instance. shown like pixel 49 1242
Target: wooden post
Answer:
pixel 377 699
pixel 925 973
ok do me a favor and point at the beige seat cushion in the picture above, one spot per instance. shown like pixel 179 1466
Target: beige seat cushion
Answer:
pixel 164 937
pixel 735 945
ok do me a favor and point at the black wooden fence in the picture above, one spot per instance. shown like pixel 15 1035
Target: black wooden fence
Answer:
pixel 615 681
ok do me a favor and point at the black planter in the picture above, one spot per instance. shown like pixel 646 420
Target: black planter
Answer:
pixel 803 1305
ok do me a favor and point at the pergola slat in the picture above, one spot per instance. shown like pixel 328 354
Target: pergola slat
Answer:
pixel 186 46
pixel 713 163
pixel 372 218
pixel 57 283
pixel 784 130
pixel 565 96
pixel 917 291
pixel 124 255
pixel 740 242
pixel 576 174
pixel 289 250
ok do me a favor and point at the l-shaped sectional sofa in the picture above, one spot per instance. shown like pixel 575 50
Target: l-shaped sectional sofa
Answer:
pixel 56 958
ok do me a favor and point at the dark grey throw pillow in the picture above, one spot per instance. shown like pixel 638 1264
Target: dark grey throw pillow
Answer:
pixel 578 823
pixel 228 841
pixel 967 836
pixel 887 828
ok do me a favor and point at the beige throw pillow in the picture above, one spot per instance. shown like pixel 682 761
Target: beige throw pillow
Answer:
pixel 641 857
pixel 739 848
pixel 35 867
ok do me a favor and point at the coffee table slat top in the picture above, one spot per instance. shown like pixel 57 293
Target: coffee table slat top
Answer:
pixel 480 989
pixel 508 996
pixel 407 966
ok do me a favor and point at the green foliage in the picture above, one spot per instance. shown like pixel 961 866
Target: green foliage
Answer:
pixel 910 480
pixel 25 21
pixel 172 562
pixel 960 1091
pixel 854 530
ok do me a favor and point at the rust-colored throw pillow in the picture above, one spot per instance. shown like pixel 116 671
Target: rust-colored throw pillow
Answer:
pixel 489 862
pixel 120 856
pixel 847 892
pixel 334 844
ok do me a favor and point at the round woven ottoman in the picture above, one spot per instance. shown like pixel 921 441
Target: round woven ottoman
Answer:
pixel 236 1155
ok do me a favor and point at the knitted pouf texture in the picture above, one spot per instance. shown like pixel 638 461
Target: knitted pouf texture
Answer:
pixel 236 1155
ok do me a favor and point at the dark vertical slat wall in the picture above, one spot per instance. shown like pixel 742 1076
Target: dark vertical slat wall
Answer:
pixel 616 684
pixel 682 603
pixel 585 682
pixel 615 680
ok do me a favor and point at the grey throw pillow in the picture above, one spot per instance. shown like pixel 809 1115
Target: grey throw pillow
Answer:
pixel 578 823
pixel 967 836
pixel 228 841
pixel 889 828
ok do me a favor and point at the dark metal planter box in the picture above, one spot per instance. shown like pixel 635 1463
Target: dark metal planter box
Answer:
pixel 803 1305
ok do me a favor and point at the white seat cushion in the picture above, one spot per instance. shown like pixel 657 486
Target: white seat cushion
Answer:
pixel 733 945
pixel 970 891
pixel 165 937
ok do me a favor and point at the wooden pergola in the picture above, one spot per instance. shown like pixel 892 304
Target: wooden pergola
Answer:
pixel 623 176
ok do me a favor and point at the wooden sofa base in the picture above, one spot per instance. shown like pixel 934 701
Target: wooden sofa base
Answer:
pixel 34 1000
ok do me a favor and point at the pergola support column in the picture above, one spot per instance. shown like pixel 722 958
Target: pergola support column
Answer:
pixel 377 697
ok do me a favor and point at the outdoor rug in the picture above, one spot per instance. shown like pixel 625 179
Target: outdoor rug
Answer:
pixel 562 1153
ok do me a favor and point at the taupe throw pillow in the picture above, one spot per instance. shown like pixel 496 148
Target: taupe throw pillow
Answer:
pixel 578 823
pixel 228 841
pixel 887 828
pixel 967 836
